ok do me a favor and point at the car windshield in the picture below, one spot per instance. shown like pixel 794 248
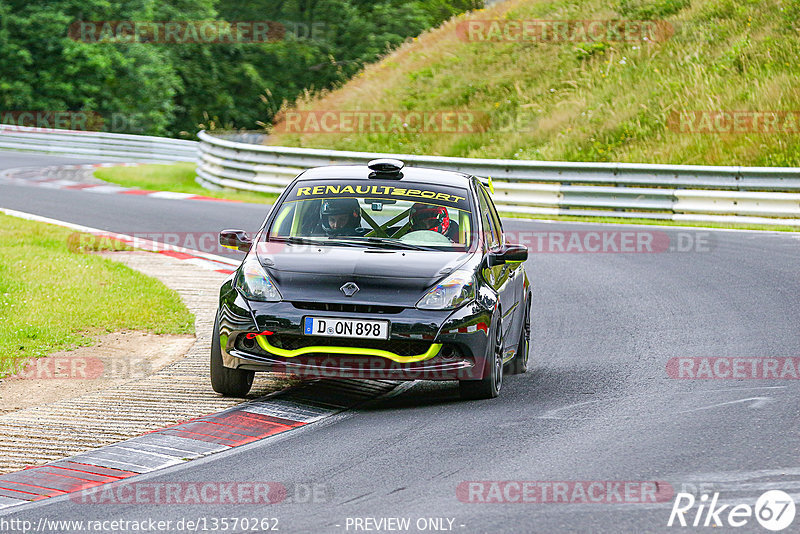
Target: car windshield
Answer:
pixel 378 213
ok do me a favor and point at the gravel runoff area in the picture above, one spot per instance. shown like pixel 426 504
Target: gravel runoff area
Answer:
pixel 178 391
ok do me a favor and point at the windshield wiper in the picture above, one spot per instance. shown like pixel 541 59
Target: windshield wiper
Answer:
pixel 298 240
pixel 388 242
pixel 382 242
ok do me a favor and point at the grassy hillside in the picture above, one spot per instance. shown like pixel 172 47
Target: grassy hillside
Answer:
pixel 595 101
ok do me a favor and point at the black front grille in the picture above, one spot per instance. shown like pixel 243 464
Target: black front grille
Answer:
pixel 409 347
pixel 347 308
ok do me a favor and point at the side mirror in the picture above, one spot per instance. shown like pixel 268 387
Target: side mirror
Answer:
pixel 508 254
pixel 236 240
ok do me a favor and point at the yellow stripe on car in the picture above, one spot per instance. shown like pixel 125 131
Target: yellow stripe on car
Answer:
pixel 263 342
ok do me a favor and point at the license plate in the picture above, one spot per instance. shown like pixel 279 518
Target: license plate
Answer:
pixel 333 327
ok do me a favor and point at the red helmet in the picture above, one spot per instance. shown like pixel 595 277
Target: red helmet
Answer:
pixel 428 217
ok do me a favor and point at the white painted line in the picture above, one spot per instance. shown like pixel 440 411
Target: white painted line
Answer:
pixel 755 402
pixel 7 502
pixel 49 185
pixel 170 195
pixel 174 456
pixel 191 446
pixel 119 455
pixel 105 189
pixel 288 410
pixel 205 264
pixel 109 463
pixel 155 448
pixel 61 183
pixel 151 245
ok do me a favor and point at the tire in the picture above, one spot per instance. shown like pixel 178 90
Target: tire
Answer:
pixel 228 382
pixel 488 387
pixel 519 364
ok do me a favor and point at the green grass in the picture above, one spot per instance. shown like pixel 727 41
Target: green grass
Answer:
pixel 655 222
pixel 604 101
pixel 177 177
pixel 53 299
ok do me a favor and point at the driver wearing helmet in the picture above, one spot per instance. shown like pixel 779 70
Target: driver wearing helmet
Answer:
pixel 430 217
pixel 340 216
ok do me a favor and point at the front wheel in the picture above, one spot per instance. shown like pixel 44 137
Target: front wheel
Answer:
pixel 488 387
pixel 228 382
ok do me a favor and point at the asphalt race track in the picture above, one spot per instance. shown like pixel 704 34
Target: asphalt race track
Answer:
pixel 597 405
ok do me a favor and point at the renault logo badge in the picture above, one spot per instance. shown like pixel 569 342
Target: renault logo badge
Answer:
pixel 349 289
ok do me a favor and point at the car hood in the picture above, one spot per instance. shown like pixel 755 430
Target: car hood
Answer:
pixel 386 277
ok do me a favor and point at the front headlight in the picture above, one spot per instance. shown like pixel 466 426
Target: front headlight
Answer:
pixel 452 292
pixel 255 284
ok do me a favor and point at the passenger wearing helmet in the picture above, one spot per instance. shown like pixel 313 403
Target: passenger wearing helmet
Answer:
pixel 340 216
pixel 430 217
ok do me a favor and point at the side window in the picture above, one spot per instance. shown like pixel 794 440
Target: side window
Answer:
pixel 491 232
pixel 283 222
pixel 495 216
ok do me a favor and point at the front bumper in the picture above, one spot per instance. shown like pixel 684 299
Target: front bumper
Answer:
pixel 430 345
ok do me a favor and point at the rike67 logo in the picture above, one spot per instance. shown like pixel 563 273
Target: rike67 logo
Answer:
pixel 774 510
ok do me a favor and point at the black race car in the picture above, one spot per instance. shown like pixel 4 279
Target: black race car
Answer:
pixel 376 272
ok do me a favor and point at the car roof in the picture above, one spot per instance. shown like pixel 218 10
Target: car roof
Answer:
pixel 410 174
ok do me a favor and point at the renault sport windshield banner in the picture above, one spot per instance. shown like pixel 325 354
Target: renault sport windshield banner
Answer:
pixel 452 197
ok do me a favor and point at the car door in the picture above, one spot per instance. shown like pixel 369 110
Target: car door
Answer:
pixel 516 274
pixel 499 276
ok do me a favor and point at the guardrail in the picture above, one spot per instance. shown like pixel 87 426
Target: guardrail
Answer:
pixel 760 195
pixel 111 146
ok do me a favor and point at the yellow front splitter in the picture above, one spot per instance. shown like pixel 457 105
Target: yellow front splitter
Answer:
pixel 263 342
